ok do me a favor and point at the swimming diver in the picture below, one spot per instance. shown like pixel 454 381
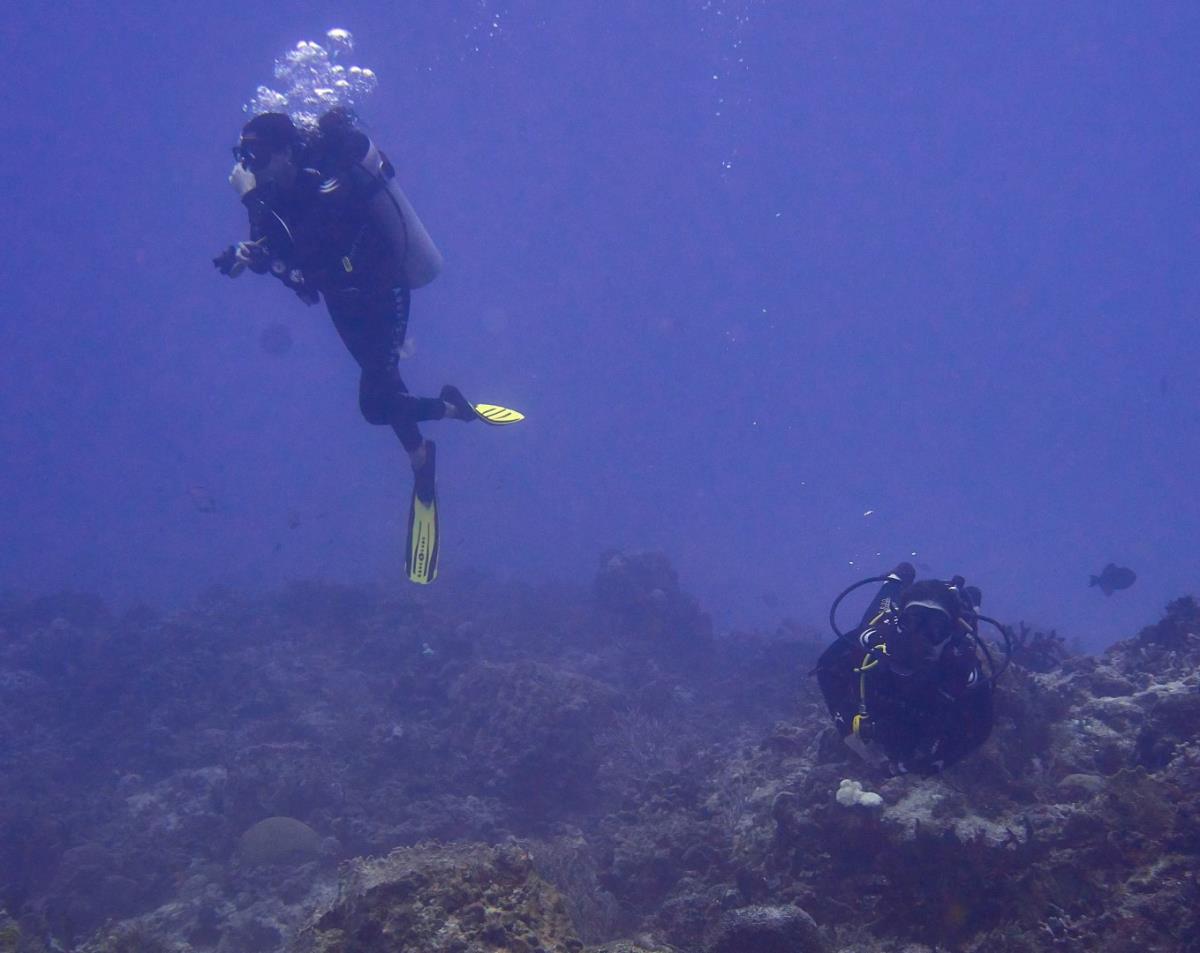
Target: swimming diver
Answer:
pixel 328 220
pixel 906 688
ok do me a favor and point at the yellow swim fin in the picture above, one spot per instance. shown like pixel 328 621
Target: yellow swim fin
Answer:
pixel 498 416
pixel 421 557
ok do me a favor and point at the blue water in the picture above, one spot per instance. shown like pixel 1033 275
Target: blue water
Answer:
pixel 791 292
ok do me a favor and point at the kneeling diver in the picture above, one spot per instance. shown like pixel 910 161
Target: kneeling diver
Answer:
pixel 328 220
pixel 906 688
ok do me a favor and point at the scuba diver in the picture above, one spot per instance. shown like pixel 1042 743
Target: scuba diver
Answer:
pixel 328 220
pixel 906 689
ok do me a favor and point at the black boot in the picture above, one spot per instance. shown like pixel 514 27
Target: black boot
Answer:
pixel 463 409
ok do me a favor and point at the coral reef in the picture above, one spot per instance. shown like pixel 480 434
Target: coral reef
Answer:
pixel 523 768
pixel 1038 651
pixel 442 899
pixel 767 930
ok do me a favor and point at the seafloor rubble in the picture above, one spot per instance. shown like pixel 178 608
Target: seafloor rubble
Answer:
pixel 484 767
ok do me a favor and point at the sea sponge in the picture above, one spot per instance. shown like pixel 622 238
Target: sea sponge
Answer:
pixel 850 793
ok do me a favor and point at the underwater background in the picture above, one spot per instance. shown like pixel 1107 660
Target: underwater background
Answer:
pixel 753 270
pixel 789 293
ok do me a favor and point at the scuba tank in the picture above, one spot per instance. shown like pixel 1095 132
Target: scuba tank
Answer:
pixel 417 260
pixel 414 260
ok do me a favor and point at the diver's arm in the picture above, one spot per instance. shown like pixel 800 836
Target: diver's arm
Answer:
pixel 242 180
pixel 267 226
pixel 270 249
pixel 976 717
pixel 835 676
pixel 249 254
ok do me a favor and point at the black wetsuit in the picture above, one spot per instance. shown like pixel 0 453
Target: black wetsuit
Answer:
pixel 323 239
pixel 923 722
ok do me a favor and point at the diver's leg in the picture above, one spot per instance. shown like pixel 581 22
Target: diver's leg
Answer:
pixel 347 308
pixel 372 325
pixel 404 410
pixel 450 402
pixel 391 307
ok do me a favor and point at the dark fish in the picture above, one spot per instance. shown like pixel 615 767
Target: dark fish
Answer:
pixel 293 519
pixel 276 339
pixel 770 600
pixel 1112 578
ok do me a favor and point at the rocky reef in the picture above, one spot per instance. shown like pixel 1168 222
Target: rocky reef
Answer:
pixel 483 767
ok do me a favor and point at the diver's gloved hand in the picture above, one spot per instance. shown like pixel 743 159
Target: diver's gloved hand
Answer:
pixel 237 258
pixel 242 180
pixel 227 261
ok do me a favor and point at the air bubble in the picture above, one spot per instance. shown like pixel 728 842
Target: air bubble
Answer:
pixel 312 78
pixel 341 43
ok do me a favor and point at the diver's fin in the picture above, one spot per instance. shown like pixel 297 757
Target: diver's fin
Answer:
pixel 421 556
pixel 498 416
pixel 489 413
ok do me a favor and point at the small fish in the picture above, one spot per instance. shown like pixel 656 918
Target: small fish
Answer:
pixel 1112 578
pixel 771 600
pixel 293 519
